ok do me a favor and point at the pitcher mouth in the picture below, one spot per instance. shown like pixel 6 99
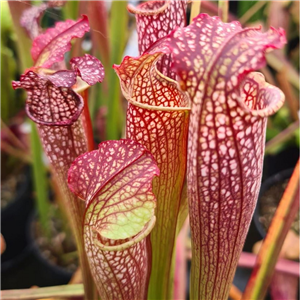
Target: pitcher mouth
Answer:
pixel 178 101
pixel 266 98
pixel 144 9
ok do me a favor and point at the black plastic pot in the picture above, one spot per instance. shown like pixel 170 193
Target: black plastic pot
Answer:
pixel 48 274
pixel 275 179
pixel 31 268
pixel 284 160
pixel 14 218
pixel 22 264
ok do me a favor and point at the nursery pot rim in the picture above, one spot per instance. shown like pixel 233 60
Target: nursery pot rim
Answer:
pixel 11 263
pixel 276 178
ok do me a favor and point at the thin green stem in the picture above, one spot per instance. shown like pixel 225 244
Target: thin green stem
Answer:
pixel 267 257
pixel 65 291
pixel 17 142
pixel 195 9
pixel 15 152
pixel 118 37
pixel 23 42
pixel 70 10
pixel 255 8
pixel 87 124
pixel 281 137
pixel 278 62
pixel 39 174
pixel 223 10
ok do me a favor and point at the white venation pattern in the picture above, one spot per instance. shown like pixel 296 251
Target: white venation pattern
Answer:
pixel 157 117
pixel 226 140
pixel 116 182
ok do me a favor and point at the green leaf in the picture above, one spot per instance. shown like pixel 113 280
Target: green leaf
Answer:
pixel 40 184
pixel 118 38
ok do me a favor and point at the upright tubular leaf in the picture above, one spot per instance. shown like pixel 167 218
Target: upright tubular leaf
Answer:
pixel 91 70
pixel 115 182
pixel 160 123
pixel 47 104
pixel 56 111
pixel 226 140
pixel 157 117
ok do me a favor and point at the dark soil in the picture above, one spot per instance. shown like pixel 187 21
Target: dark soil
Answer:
pixel 60 248
pixel 269 202
pixel 9 186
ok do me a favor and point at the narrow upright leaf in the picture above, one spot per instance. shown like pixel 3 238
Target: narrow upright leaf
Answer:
pixel 118 36
pixel 23 42
pixel 157 117
pixel 98 17
pixel 115 181
pixel 269 252
pixel 226 139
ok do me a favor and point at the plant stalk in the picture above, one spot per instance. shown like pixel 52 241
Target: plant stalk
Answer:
pixel 17 142
pixel 15 152
pixel 65 291
pixel 39 175
pixel 223 10
pixel 285 266
pixel 281 137
pixel 267 257
pixel 118 27
pixel 181 263
pixel 23 42
pixel 195 9
pixel 292 100
pixel 255 8
pixel 87 122
pixel 278 62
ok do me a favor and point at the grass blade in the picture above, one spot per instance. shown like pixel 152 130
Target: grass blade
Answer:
pixel 66 291
pixel 118 37
pixel 267 257
pixel 39 175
